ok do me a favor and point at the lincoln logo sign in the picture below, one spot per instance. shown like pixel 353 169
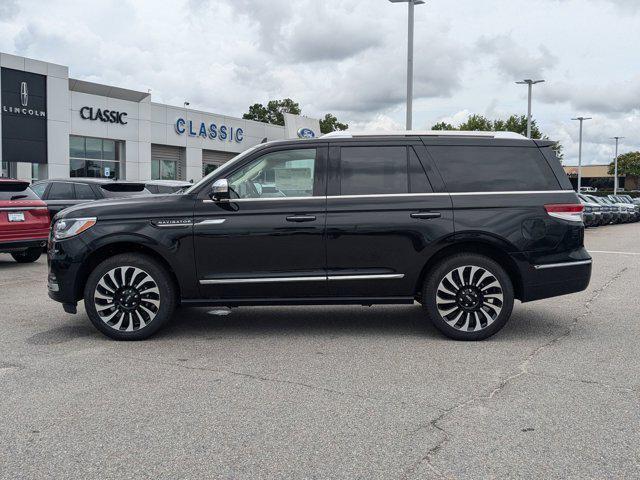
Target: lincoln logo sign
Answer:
pixel 24 94
pixel 24 100
pixel 108 116
pixel 212 131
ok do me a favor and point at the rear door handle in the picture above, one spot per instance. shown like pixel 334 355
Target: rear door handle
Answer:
pixel 426 215
pixel 301 218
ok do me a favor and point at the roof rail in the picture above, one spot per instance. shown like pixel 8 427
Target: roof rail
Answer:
pixel 426 133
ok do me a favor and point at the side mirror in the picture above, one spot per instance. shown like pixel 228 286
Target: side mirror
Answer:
pixel 220 190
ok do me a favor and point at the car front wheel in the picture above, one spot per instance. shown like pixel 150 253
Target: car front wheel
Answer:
pixel 129 297
pixel 468 297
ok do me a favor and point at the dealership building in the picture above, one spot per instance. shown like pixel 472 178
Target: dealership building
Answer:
pixel 54 126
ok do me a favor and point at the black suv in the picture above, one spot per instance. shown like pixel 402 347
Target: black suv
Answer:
pixel 62 193
pixel 463 224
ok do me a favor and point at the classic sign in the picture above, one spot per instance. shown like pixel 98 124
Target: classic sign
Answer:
pixel 109 116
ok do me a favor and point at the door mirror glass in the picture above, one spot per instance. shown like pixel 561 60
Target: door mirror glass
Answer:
pixel 220 190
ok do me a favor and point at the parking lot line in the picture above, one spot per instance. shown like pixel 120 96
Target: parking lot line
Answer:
pixel 614 253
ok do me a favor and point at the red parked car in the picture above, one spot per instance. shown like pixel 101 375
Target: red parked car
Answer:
pixel 24 221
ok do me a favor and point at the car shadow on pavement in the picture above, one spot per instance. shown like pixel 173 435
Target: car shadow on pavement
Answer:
pixel 325 320
pixel 8 263
pixel 405 320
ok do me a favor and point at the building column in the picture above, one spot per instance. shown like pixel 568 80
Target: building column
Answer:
pixel 194 164
pixel 23 171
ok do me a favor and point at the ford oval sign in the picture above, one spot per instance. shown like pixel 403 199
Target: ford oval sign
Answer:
pixel 306 133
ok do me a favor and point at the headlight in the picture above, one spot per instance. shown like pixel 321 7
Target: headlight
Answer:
pixel 70 227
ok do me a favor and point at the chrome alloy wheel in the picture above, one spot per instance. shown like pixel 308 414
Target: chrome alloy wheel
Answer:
pixel 127 298
pixel 469 298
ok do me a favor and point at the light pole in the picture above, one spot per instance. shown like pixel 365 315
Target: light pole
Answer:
pixel 412 4
pixel 615 168
pixel 581 119
pixel 530 83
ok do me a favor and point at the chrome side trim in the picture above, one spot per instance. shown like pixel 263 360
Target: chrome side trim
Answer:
pixel 261 280
pixel 563 264
pixel 24 209
pixel 219 281
pixel 529 192
pixel 391 195
pixel 384 276
pixel 216 221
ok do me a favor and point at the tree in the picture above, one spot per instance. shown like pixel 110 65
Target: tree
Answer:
pixel 442 126
pixel 274 111
pixel 476 123
pixel 331 124
pixel 628 164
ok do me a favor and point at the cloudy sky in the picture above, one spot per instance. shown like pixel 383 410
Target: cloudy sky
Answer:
pixel 348 57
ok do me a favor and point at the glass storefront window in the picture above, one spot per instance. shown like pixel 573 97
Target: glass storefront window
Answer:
pixel 163 170
pixel 76 147
pixel 207 168
pixel 94 148
pixel 155 169
pixel 108 150
pixel 95 157
pixel 168 170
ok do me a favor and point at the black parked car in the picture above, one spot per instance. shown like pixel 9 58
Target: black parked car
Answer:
pixel 166 186
pixel 463 224
pixel 62 193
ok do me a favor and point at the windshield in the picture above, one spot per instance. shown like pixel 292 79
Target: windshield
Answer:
pixel 225 167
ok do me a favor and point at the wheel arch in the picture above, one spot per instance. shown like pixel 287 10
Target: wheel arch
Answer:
pixel 482 247
pixel 115 248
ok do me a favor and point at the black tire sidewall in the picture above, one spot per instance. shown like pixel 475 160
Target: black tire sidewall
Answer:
pixel 159 274
pixel 30 255
pixel 459 260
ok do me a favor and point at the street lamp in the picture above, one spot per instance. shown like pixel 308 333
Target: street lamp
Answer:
pixel 581 119
pixel 615 168
pixel 530 83
pixel 411 3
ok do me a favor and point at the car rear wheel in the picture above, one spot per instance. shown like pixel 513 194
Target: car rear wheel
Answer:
pixel 468 297
pixel 129 297
pixel 29 255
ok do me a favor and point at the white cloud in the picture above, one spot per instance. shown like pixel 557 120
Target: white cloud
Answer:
pixel 348 57
pixel 618 96
pixel 514 60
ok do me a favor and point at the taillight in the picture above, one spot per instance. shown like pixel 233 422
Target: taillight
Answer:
pixel 566 211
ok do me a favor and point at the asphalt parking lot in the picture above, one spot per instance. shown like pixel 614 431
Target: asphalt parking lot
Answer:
pixel 331 392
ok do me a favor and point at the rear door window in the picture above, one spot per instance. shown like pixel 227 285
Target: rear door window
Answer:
pixel 493 169
pixel 84 192
pixel 381 171
pixel 61 191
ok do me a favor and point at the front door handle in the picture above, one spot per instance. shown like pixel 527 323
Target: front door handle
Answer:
pixel 301 218
pixel 426 215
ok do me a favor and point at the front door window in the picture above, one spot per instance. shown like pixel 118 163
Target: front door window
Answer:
pixel 288 173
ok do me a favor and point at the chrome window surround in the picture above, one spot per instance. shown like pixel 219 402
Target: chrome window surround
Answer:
pixel 391 195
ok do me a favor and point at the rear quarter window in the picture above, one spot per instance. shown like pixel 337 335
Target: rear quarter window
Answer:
pixel 493 169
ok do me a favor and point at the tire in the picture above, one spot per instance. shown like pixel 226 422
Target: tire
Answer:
pixel 30 255
pixel 483 299
pixel 129 296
